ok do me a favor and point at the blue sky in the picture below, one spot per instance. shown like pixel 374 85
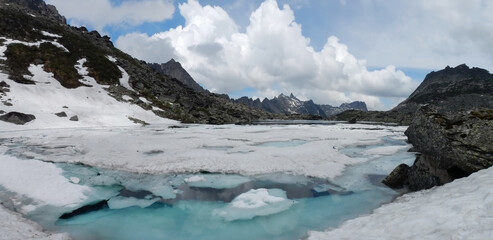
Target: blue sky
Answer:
pixel 331 51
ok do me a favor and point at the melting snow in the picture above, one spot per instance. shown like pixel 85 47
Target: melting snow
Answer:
pixel 462 209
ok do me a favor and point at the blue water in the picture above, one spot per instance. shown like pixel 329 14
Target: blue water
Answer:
pixel 180 208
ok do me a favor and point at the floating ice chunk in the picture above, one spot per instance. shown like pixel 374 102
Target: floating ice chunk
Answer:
pixel 195 179
pixel 120 202
pixel 256 202
pixel 217 181
pixel 75 180
pixel 164 191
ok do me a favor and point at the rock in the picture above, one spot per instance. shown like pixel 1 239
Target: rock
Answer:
pixel 398 177
pixel 74 118
pixel 61 114
pixel 17 118
pixel 352 121
pixel 452 145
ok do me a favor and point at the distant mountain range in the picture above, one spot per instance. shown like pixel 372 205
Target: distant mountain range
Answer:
pixel 281 104
pixel 284 104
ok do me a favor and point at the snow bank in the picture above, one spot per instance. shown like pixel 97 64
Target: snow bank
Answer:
pixel 462 209
pixel 14 227
pixel 256 202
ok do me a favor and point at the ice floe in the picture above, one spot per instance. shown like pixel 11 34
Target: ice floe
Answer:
pixel 119 202
pixel 254 203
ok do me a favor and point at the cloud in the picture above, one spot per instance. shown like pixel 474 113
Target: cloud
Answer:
pixel 101 13
pixel 270 55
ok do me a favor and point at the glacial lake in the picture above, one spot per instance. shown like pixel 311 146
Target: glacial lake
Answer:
pixel 121 204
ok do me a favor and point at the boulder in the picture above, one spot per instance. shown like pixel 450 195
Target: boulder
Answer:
pixel 74 118
pixel 61 114
pixel 398 177
pixel 17 118
pixel 451 145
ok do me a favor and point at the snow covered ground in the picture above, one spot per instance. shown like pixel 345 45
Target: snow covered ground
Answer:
pixel 462 209
pixel 92 105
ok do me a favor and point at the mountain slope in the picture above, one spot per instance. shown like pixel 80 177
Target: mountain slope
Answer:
pixel 283 104
pixel 37 50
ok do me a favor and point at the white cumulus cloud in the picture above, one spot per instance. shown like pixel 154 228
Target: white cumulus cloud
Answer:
pixel 271 55
pixel 101 13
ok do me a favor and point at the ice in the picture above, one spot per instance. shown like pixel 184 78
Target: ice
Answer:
pixel 217 181
pixel 126 148
pixel 40 181
pixel 127 98
pixel 461 209
pixel 386 150
pixel 75 180
pixel 254 203
pixel 119 202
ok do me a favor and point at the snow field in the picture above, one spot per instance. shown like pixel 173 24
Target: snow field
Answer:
pixel 462 209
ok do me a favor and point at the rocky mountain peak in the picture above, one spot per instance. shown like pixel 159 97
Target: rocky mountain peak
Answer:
pixel 38 7
pixel 452 88
pixel 175 70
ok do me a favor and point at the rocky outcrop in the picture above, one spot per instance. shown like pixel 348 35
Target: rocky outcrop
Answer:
pixel 396 117
pixel 291 105
pixel 451 145
pixel 39 7
pixel 17 118
pixel 174 69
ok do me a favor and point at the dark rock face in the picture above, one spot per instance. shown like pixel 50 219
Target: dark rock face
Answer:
pixel 398 177
pixel 17 118
pixel 74 118
pixel 290 105
pixel 452 145
pixel 40 7
pixel 452 89
pixel 174 69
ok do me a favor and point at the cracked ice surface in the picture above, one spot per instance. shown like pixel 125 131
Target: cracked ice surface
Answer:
pixel 222 149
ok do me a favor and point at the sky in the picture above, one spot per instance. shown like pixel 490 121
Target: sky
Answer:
pixel 331 51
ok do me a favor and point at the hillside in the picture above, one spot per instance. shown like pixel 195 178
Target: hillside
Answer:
pixel 284 104
pixel 43 62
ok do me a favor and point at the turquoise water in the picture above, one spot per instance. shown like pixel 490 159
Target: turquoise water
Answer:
pixel 194 206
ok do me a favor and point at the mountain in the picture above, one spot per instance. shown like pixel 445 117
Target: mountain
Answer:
pixel 284 104
pixel 452 89
pixel 50 70
pixel 174 69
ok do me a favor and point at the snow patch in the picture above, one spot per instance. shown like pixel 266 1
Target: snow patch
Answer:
pixel 48 34
pixel 111 58
pixel 124 79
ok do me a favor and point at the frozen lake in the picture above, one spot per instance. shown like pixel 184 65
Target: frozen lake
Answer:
pixel 198 181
